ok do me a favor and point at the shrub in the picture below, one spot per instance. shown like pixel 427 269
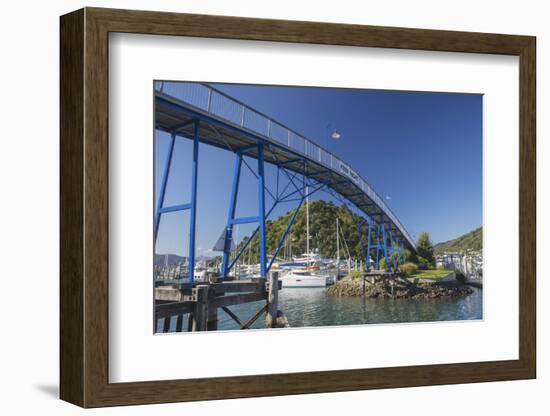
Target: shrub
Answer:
pixel 409 268
pixel 382 263
pixel 423 264
pixel 355 275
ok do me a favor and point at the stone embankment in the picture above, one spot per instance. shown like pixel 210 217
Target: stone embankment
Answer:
pixel 397 287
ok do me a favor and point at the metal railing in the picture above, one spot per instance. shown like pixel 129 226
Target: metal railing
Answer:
pixel 216 102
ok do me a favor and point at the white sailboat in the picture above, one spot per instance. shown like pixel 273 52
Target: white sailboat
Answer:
pixel 298 275
pixel 303 278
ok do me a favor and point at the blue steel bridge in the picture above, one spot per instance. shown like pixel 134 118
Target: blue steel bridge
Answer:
pixel 204 114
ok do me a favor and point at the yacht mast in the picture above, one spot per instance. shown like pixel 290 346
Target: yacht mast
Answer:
pixel 337 249
pixel 337 241
pixel 307 220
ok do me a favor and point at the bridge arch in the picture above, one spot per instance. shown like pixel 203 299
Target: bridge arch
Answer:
pixel 202 113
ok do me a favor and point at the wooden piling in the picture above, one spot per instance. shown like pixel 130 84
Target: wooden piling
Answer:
pixel 200 315
pixel 179 323
pixel 200 302
pixel 166 324
pixel 272 300
pixel 190 320
pixel 212 319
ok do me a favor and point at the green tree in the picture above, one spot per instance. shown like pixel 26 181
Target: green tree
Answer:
pixel 322 222
pixel 424 247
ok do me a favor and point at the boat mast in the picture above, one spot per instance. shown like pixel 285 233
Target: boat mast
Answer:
pixel 337 248
pixel 347 250
pixel 307 220
pixel 337 240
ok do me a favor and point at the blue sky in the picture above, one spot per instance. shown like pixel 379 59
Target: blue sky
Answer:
pixel 421 151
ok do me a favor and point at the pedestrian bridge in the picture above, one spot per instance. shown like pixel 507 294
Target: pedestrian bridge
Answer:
pixel 205 114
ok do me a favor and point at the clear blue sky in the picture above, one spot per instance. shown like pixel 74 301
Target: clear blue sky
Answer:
pixel 421 151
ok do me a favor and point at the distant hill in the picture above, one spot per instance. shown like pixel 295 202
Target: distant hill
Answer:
pixel 160 259
pixel 470 241
pixel 170 259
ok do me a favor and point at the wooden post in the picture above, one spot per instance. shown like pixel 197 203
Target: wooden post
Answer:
pixel 166 324
pixel 200 315
pixel 190 321
pixel 272 300
pixel 179 323
pixel 212 320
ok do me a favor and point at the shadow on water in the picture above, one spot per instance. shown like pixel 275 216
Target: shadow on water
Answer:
pixel 311 307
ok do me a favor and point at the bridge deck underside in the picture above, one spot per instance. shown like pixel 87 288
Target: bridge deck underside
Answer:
pixel 174 115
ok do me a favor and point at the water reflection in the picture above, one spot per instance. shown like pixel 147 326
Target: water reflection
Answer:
pixel 315 309
pixel 310 307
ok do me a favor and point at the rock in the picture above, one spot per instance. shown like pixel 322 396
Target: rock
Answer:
pixel 402 288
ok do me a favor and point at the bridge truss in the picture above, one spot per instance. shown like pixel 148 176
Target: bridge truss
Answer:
pixel 206 115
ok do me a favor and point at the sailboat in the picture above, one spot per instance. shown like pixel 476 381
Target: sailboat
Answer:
pixel 300 272
pixel 303 278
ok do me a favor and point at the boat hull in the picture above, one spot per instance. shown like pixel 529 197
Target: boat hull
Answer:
pixel 304 281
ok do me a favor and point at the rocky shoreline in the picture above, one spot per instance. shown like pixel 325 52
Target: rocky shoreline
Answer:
pixel 398 287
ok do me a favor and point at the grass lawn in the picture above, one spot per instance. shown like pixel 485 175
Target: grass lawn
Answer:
pixel 430 274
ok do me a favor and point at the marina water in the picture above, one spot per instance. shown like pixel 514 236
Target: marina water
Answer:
pixel 311 307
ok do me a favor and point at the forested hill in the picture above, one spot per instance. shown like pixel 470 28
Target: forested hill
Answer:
pixel 322 228
pixel 469 241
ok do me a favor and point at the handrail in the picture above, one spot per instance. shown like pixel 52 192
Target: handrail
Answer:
pixel 311 149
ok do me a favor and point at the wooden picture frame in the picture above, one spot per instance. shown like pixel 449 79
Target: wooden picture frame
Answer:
pixel 84 207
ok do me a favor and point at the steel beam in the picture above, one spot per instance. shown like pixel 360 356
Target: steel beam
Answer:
pixel 384 237
pixel 196 113
pixel 182 125
pixel 192 206
pixel 368 245
pixel 244 220
pixel 193 209
pixel 164 181
pixel 261 209
pixel 288 162
pixel 175 208
pixel 244 149
pixel 392 250
pixel 283 237
pixel 231 214
pixel 245 245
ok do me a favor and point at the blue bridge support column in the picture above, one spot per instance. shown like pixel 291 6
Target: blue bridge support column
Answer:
pixel 261 210
pixel 285 233
pixel 385 240
pixel 231 214
pixel 164 181
pixel 400 250
pixel 392 250
pixel 367 257
pixel 191 206
pixel 397 248
pixel 193 219
pixel 260 218
pixel 378 238
pixel 365 247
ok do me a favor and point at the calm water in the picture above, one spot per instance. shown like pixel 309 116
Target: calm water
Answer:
pixel 311 307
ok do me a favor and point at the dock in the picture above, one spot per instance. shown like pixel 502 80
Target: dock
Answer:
pixel 200 302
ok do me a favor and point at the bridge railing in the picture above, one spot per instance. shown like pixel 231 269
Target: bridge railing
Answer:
pixel 216 102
